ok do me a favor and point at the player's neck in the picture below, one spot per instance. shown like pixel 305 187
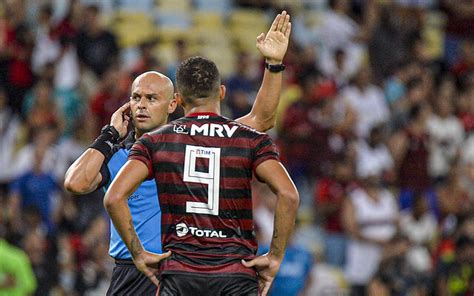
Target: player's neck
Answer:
pixel 138 134
pixel 207 108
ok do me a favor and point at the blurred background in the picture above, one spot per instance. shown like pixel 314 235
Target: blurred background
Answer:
pixel 375 126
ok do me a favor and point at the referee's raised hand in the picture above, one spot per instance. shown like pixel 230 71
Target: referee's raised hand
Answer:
pixel 148 264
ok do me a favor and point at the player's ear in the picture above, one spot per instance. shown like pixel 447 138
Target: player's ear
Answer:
pixel 222 90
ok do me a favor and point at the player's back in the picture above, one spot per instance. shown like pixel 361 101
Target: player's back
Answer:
pixel 203 166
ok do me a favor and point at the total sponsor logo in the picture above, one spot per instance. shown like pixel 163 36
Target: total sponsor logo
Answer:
pixel 182 229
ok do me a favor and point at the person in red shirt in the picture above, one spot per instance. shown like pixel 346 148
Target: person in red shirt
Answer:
pixel 329 197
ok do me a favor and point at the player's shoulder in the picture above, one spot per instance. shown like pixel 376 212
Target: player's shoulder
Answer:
pixel 243 129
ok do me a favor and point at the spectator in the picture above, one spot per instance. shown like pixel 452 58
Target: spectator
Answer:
pixel 338 30
pixel 395 275
pixel 453 197
pixel 418 225
pixel 148 60
pixel 370 216
pixel 373 153
pixel 19 73
pixel 465 108
pixel 35 188
pixel 241 87
pixel 330 195
pixel 395 87
pixel 181 49
pixel 337 67
pixel 295 270
pixel 10 132
pixel 367 101
pixel 296 132
pixel 460 19
pixel 409 148
pixel 17 276
pixel 467 167
pixel 40 107
pixel 96 47
pixel 446 135
pixel 41 255
pixel 47 48
pixel 456 277
pixel 109 97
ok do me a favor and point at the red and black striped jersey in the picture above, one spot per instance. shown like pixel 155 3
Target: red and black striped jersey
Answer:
pixel 203 165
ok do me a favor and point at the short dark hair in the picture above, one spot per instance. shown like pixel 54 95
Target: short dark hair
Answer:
pixel 196 78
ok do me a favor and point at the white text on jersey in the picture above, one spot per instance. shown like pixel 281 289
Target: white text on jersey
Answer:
pixel 212 130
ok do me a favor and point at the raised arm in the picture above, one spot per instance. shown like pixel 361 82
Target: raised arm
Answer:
pixel 275 176
pixel 84 175
pixel 273 47
pixel 132 174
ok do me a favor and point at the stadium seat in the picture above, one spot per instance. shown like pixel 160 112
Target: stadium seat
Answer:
pixel 207 19
pixel 248 18
pixel 133 5
pixel 178 19
pixel 223 7
pixel 132 28
pixel 166 53
pixel 177 5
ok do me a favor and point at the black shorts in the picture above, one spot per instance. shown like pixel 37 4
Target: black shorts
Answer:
pixel 127 280
pixel 196 285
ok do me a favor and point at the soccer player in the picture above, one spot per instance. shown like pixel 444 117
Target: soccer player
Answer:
pixel 203 165
pixel 151 102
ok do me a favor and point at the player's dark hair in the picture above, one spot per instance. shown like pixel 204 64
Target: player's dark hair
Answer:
pixel 197 78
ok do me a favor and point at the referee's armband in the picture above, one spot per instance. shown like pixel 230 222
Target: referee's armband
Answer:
pixel 105 142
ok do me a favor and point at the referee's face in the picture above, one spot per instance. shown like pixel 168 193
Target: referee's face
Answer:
pixel 151 101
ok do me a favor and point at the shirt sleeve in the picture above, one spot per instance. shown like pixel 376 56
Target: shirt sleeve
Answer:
pixel 141 151
pixel 265 150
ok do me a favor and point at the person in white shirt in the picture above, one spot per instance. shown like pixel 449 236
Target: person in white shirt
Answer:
pixel 374 153
pixel 370 217
pixel 367 101
pixel 446 137
pixel 419 225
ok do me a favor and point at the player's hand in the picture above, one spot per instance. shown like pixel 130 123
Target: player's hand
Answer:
pixel 267 267
pixel 274 44
pixel 120 120
pixel 148 264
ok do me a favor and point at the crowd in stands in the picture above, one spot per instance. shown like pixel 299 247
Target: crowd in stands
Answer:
pixel 375 126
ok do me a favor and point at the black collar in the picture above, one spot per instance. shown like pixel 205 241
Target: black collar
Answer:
pixel 128 142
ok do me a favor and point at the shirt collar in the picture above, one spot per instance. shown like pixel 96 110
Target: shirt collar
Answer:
pixel 196 114
pixel 128 142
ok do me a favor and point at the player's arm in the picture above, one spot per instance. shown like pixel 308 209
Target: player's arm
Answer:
pixel 84 175
pixel 276 177
pixel 130 176
pixel 273 47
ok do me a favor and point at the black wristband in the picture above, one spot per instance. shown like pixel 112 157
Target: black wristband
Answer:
pixel 105 142
pixel 275 68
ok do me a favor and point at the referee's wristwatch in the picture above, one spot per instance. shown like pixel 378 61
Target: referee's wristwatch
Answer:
pixel 275 68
